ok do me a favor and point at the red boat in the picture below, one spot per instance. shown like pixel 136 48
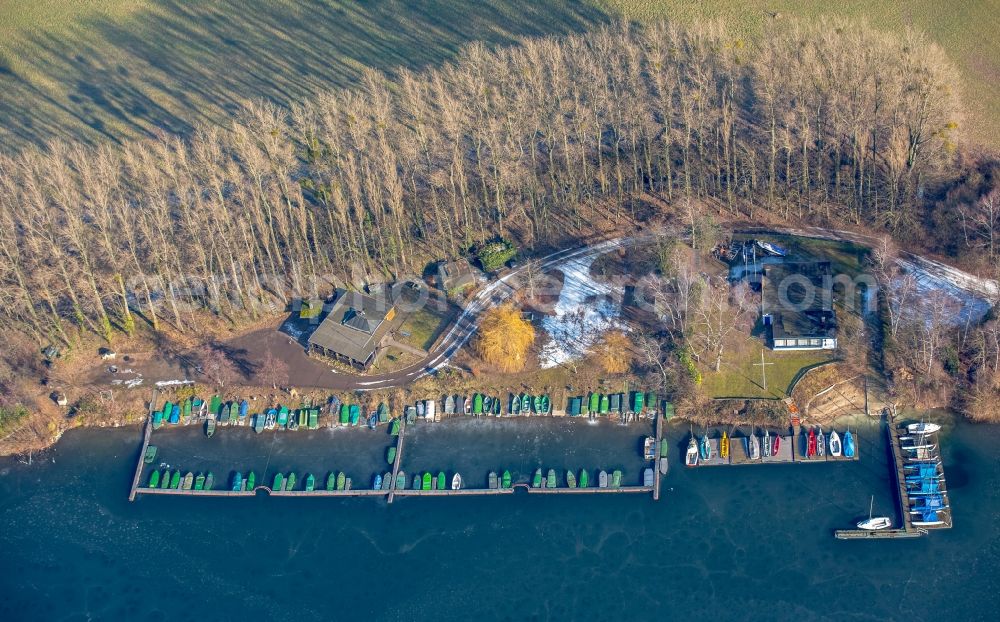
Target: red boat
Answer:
pixel 811 449
pixel 776 445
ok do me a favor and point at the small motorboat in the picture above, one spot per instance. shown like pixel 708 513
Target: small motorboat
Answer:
pixel 449 405
pixel 766 444
pixel 724 445
pixel 874 522
pixel 923 428
pixel 536 481
pixel 420 409
pixel 691 458
pixel 776 445
pixel 571 479
pixel 602 479
pixel 210 428
pixel 836 449
pixel 848 444
pixel 706 448
pixel 456 482
pixel 811 443
pixel 492 480
pixel 373 420
pixel 647 478
pixel 377 484
pixel 820 443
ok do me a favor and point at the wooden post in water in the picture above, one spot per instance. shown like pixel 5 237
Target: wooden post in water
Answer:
pixel 147 431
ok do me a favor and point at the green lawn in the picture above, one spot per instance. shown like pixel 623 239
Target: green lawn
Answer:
pixel 423 327
pixel 109 69
pixel 740 375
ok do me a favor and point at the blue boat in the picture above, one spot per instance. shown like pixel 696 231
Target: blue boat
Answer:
pixel 848 444
pixel 377 484
pixel 704 448
pixel 175 414
pixel 373 421
pixel 244 408
pixel 237 481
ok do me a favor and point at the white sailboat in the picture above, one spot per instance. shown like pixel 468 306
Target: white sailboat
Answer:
pixel 835 447
pixel 767 443
pixel 923 428
pixel 753 446
pixel 874 522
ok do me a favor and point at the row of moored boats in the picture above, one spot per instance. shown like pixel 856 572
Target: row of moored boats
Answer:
pixel 767 445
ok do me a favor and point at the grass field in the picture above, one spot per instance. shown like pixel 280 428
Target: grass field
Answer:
pixel 421 328
pixel 108 69
pixel 740 375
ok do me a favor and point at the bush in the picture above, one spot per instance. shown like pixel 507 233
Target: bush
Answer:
pixel 494 255
pixel 10 416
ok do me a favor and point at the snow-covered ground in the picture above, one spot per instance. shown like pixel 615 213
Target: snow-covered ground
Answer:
pixel 586 308
pixel 969 293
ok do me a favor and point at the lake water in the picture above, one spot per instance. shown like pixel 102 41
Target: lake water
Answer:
pixel 725 543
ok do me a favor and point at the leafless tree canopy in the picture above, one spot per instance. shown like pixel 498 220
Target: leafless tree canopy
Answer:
pixel 536 142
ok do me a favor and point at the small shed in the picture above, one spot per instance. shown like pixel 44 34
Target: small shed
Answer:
pixel 456 275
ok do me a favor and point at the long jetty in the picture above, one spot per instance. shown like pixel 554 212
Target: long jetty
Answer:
pixel 147 431
pixel 398 460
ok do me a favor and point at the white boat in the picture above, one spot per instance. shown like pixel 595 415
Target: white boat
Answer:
pixel 820 443
pixel 835 447
pixel 767 443
pixel 753 447
pixel 874 522
pixel 429 411
pixel 456 482
pixel 691 458
pixel 922 428
pixel 449 405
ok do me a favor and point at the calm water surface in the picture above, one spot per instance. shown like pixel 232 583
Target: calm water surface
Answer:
pixel 736 543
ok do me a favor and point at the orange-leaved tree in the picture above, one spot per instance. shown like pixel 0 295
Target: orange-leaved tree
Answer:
pixel 504 338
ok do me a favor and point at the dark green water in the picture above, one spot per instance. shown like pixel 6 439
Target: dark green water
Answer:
pixel 735 543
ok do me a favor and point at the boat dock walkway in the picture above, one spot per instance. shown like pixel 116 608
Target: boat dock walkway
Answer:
pixel 398 460
pixel 463 492
pixel 790 451
pixel 908 528
pixel 656 460
pixel 147 431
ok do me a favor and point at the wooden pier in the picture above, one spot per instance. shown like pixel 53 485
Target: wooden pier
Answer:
pixel 877 534
pixel 656 457
pixel 147 431
pixel 900 475
pixel 789 452
pixel 399 458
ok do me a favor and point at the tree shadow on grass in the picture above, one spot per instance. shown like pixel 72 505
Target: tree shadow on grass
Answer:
pixel 177 64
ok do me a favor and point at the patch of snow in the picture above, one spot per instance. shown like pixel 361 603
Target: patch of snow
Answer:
pixel 133 383
pixel 586 308
pixel 968 292
pixel 289 329
pixel 171 383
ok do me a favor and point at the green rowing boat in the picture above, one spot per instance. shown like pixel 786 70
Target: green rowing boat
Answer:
pixel 279 482
pixel 154 480
pixel 394 427
pixel 290 481
pixel 175 480
pixel 390 455
pixel 199 482
pixel 477 404
pixel 616 479
pixel 595 402
pixel 605 404
pixel 310 483
pixel 251 480
pixel 551 479
pixel 165 481
pixel 525 404
pixel 341 480
pixel 188 481
pixel 401 481
pixel 442 482
pixel 417 482
pixel 150 454
pixel 570 479
pixel 344 414
pixel 536 482
pixel 427 481
pixel 584 479
pixel 505 481
pixel 331 481
pixel 209 481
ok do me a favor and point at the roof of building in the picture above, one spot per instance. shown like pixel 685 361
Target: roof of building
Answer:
pixel 799 299
pixel 354 326
pixel 455 273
